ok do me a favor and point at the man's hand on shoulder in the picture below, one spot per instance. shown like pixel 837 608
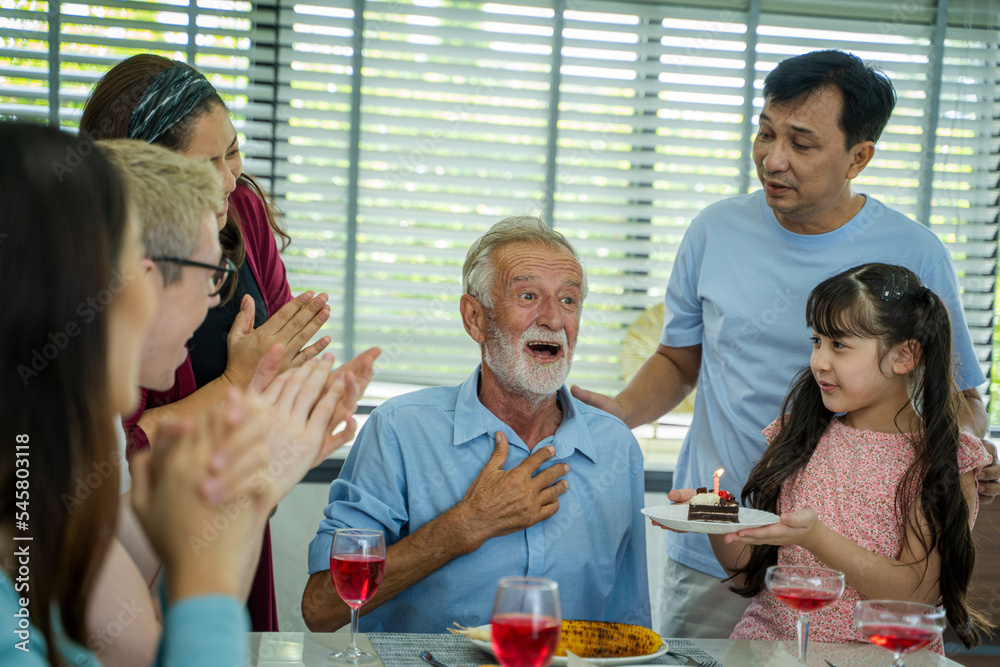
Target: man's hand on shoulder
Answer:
pixel 599 401
pixel 500 502
pixel 988 479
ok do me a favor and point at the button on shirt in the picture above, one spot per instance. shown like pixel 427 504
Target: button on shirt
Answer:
pixel 416 457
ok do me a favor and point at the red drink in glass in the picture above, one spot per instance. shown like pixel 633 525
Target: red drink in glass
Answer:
pixel 522 640
pixel 356 576
pixel 900 639
pixel 804 599
pixel 805 589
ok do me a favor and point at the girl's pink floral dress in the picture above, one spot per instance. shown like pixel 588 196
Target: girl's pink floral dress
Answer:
pixel 850 482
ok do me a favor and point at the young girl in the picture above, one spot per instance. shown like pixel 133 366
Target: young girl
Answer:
pixel 868 468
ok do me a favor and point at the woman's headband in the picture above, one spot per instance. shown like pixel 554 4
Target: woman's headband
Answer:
pixel 173 94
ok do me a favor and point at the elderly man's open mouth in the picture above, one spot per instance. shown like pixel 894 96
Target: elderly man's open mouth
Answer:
pixel 544 350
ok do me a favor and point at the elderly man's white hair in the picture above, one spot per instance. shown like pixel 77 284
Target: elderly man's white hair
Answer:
pixel 478 273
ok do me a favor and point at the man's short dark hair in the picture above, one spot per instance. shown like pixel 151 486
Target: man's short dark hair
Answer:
pixel 867 92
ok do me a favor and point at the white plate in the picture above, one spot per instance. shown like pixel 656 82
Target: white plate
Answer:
pixel 560 661
pixel 675 516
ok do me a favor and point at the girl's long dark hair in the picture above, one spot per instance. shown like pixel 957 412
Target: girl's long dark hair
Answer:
pixel 63 223
pixel 107 114
pixel 888 303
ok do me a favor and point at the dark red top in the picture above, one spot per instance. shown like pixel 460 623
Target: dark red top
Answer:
pixel 269 273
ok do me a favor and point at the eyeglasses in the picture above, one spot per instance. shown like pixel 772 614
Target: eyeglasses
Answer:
pixel 221 272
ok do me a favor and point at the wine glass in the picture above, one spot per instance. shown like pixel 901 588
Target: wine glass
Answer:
pixel 900 627
pixel 805 589
pixel 357 564
pixel 526 621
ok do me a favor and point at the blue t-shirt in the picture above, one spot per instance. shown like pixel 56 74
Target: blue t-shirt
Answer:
pixel 416 457
pixel 203 631
pixel 739 289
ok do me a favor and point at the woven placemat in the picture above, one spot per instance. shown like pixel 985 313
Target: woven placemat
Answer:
pixel 403 650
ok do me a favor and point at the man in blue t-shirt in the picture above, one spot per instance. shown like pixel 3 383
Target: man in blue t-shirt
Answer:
pixel 735 303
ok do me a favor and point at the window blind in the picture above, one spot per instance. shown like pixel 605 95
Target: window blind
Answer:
pixel 312 149
pixel 651 118
pixel 52 53
pixel 451 119
pixel 393 133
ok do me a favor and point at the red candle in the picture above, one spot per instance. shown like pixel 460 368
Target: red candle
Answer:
pixel 718 474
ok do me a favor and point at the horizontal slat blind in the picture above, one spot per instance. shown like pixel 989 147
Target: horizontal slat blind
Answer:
pixel 648 137
pixel 53 53
pixel 311 147
pixel 71 44
pixel 649 134
pixel 452 133
pixel 453 136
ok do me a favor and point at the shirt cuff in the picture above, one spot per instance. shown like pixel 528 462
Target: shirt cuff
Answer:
pixel 205 630
pixel 319 552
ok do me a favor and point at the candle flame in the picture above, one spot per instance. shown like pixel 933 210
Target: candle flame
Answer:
pixel 719 472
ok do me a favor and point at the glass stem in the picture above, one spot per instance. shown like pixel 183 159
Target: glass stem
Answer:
pixel 354 631
pixel 803 627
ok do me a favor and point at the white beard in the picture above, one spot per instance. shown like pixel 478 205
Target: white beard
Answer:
pixel 516 370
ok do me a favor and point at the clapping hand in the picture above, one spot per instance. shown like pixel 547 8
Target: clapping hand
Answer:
pixel 305 407
pixel 179 504
pixel 292 327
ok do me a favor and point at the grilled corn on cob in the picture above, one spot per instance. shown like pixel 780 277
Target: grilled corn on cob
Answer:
pixel 600 639
pixel 592 639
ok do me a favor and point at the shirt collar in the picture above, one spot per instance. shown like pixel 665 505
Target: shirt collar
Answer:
pixel 472 420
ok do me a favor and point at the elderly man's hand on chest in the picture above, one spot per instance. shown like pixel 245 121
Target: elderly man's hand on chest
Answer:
pixel 500 502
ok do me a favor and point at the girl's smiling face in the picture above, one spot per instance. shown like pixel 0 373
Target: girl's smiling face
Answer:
pixel 856 378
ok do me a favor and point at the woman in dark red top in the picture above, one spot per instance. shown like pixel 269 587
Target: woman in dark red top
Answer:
pixel 169 103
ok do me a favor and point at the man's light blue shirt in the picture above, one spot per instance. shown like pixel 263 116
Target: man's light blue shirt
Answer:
pixel 739 289
pixel 416 457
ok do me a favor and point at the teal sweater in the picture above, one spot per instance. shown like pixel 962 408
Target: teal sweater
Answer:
pixel 199 631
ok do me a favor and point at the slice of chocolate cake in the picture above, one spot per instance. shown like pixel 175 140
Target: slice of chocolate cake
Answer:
pixel 706 506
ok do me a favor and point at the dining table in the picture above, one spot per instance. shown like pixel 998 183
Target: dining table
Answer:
pixel 312 649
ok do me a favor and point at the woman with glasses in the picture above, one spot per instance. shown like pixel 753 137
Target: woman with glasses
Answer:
pixel 171 104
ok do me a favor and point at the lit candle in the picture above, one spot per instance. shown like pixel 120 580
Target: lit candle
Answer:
pixel 718 474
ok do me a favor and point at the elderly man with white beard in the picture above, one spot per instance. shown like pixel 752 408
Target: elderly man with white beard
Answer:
pixel 505 474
